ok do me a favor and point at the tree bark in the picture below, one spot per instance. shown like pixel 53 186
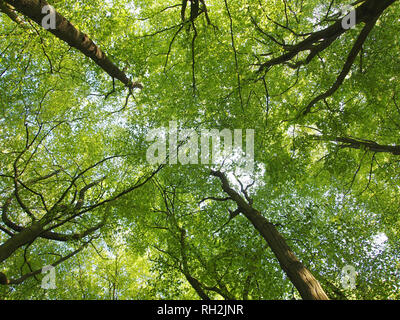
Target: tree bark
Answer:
pixel 73 37
pixel 304 281
pixel 318 41
pixel 26 235
pixel 366 144
pixel 196 286
pixel 8 10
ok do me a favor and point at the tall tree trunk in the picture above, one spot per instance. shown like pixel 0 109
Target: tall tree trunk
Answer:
pixel 304 281
pixel 67 32
pixel 196 286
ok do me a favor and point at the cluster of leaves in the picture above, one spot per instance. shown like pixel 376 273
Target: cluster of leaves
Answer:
pixel 320 177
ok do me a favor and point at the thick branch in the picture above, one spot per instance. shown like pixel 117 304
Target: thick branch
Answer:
pixel 9 11
pixel 73 37
pixel 26 235
pixel 362 144
pixel 347 66
pixel 320 40
pixel 36 272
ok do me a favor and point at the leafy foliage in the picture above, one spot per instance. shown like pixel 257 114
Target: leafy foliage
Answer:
pixel 320 177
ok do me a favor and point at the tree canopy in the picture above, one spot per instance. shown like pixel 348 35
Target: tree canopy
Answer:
pixel 77 104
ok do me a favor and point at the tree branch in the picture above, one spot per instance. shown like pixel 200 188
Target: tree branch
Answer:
pixel 66 32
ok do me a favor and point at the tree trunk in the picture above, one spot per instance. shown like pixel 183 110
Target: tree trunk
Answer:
pixel 196 286
pixel 304 281
pixel 308 287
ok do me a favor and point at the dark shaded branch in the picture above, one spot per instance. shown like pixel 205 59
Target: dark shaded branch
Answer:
pixel 39 271
pixel 368 145
pixel 246 288
pixel 235 54
pixel 347 66
pixel 215 199
pixel 370 10
pixel 5 230
pixel 196 285
pixel 10 12
pixel 66 32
